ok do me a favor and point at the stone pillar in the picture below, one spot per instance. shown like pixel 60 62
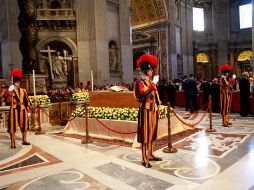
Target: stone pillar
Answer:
pixel 92 40
pixel 10 36
pixel 100 44
pixel 221 28
pixel 85 32
pixel 214 62
pixel 125 35
pixel 163 50
pixel 172 40
pixel 187 38
pixel 232 58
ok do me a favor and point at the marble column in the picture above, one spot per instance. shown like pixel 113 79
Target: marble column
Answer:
pixel 214 62
pixel 85 32
pixel 125 36
pixel 92 40
pixel 173 42
pixel 221 26
pixel 10 36
pixel 100 43
pixel 187 38
pixel 232 58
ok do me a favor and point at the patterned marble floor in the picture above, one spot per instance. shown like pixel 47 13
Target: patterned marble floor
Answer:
pixel 222 160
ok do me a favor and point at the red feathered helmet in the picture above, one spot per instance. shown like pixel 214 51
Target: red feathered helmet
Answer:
pixel 16 74
pixel 146 62
pixel 226 68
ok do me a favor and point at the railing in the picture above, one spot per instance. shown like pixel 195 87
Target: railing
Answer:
pixel 58 112
pixel 43 14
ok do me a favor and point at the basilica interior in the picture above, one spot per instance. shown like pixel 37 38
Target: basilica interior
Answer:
pixel 79 63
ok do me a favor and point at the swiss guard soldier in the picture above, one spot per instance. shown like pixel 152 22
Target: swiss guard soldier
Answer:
pixel 19 108
pixel 225 98
pixel 146 93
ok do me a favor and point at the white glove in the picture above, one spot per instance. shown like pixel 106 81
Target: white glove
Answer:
pixel 156 79
pixel 28 114
pixel 11 88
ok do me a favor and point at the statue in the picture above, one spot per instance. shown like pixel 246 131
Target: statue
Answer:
pixel 65 59
pixel 113 57
pixel 177 9
pixel 59 67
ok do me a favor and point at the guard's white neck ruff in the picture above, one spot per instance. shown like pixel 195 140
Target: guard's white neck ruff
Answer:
pixel 145 77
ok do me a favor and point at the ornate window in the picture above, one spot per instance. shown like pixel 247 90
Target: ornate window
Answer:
pixel 198 19
pixel 202 58
pixel 245 13
pixel 244 55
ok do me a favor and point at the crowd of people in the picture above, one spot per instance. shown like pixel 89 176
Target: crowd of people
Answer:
pixel 192 86
pixel 167 91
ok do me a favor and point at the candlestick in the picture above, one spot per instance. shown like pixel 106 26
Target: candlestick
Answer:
pixel 92 79
pixel 34 82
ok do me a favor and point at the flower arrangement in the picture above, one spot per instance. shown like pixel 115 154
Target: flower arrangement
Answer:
pixel 130 114
pixel 80 96
pixel 39 99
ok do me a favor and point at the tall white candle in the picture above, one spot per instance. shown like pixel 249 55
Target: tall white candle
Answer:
pixel 34 82
pixel 92 79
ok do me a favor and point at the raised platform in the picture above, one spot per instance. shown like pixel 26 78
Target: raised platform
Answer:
pixel 77 127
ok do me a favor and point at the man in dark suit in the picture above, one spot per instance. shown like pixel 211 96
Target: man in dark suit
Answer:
pixel 171 92
pixel 185 95
pixel 244 86
pixel 205 87
pixel 161 90
pixel 191 92
pixel 215 93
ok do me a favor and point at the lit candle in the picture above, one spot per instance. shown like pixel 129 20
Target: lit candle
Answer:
pixel 92 79
pixel 34 82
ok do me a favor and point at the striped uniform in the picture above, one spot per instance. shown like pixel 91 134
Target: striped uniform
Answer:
pixel 224 97
pixel 18 111
pixel 146 93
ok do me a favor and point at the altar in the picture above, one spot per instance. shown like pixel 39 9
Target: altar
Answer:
pixel 125 130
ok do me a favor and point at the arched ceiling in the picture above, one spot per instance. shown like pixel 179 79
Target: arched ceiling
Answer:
pixel 147 11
